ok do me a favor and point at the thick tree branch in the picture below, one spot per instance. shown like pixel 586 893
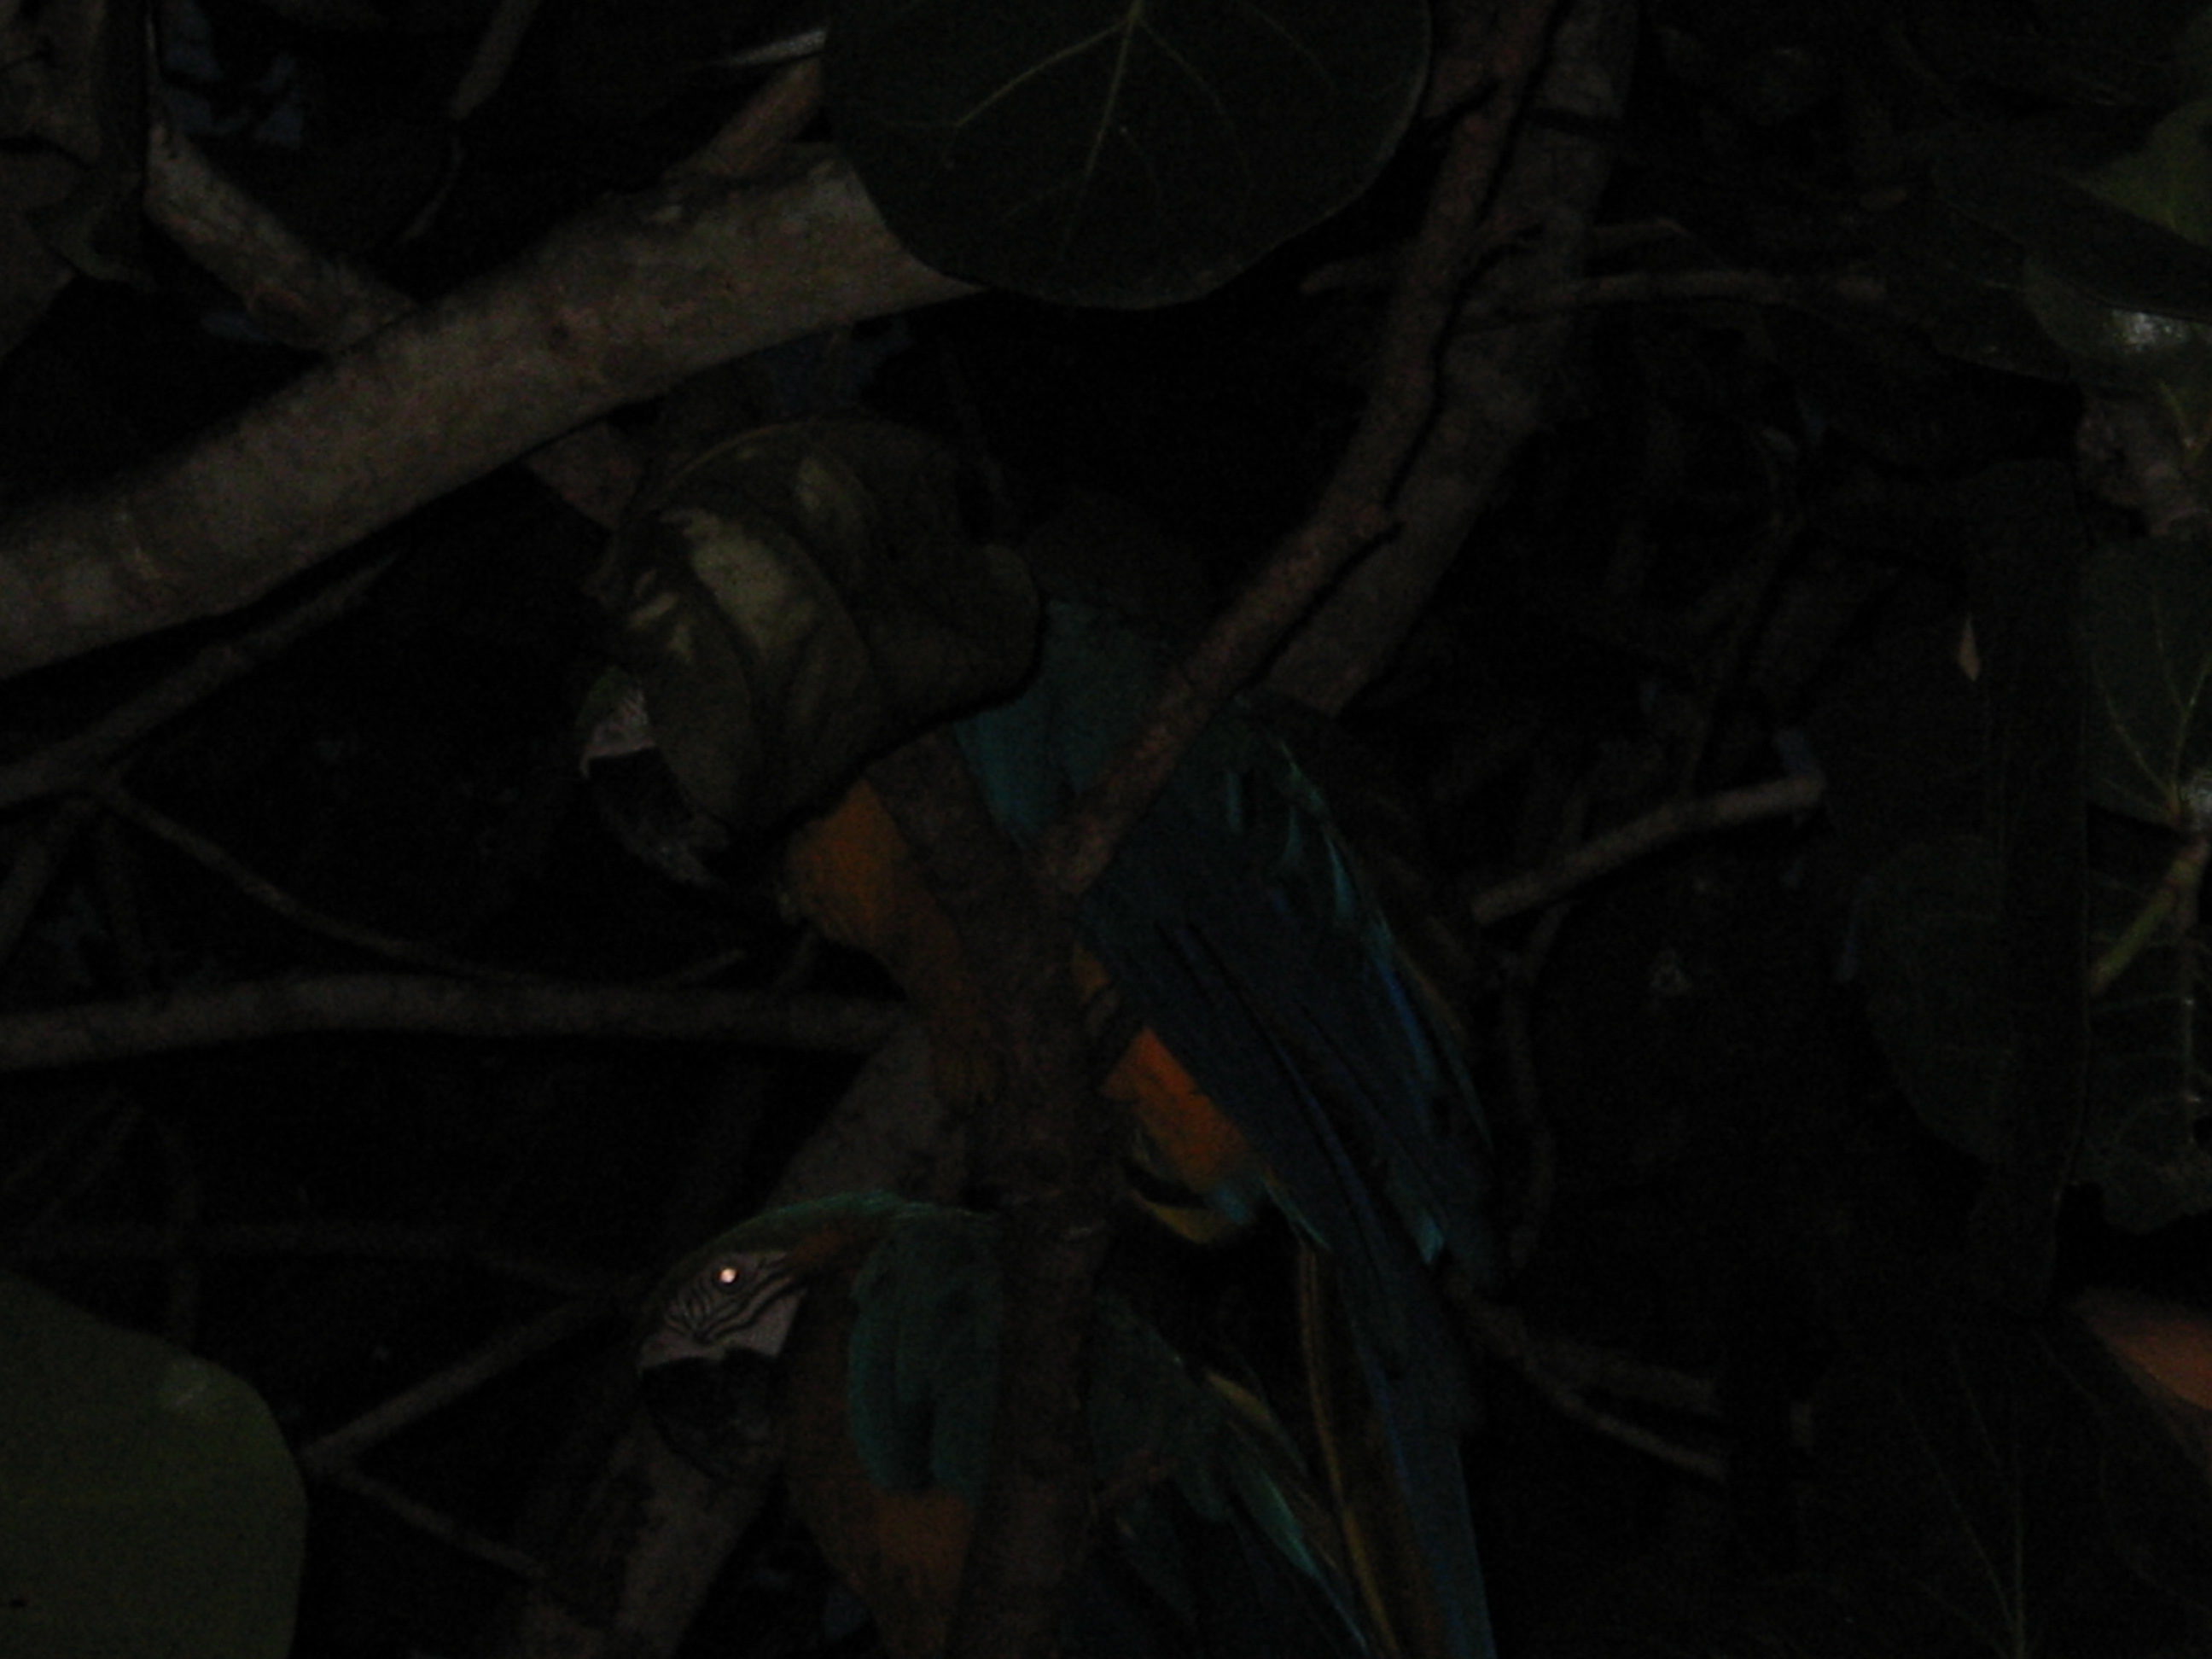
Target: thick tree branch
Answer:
pixel 299 295
pixel 612 309
pixel 1044 1148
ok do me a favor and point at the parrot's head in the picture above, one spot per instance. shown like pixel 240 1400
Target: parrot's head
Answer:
pixel 707 1367
pixel 730 1319
pixel 741 1302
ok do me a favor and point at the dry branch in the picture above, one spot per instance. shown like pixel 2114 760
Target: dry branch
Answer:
pixel 67 764
pixel 84 1035
pixel 1661 827
pixel 611 309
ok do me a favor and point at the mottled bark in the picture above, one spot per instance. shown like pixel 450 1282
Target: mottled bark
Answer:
pixel 611 309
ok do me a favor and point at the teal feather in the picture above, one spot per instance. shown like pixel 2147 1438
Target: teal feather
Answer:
pixel 925 1354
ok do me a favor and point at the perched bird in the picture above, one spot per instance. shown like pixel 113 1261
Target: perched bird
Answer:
pixel 860 1334
pixel 1255 1017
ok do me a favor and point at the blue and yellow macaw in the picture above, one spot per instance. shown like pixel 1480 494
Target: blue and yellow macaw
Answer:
pixel 859 1334
pixel 1270 1046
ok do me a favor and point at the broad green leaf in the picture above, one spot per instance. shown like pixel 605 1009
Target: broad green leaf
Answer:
pixel 2148 633
pixel 1935 978
pixel 2148 357
pixel 1985 1485
pixel 1117 152
pixel 2110 254
pixel 2165 183
pixel 2116 265
pixel 2148 1081
pixel 800 597
pixel 147 1505
pixel 1959 280
pixel 2168 179
pixel 2112 348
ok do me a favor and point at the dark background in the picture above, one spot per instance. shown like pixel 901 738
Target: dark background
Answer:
pixel 1736 520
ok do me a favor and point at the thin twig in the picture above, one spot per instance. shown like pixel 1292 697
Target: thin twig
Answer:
pixel 271 897
pixel 38 860
pixel 435 1524
pixel 1661 827
pixel 65 766
pixel 368 1240
pixel 494 56
pixel 294 292
pixel 1729 286
pixel 1564 1373
pixel 1707 1467
pixel 200 1017
pixel 772 118
pixel 458 1381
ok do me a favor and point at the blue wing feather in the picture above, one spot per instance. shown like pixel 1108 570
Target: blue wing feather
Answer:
pixel 1286 999
pixel 1290 982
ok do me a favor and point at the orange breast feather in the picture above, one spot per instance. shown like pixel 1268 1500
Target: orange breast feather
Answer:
pixel 854 874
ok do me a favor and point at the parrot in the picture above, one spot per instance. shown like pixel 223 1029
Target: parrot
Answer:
pixel 859 1334
pixel 1273 1048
